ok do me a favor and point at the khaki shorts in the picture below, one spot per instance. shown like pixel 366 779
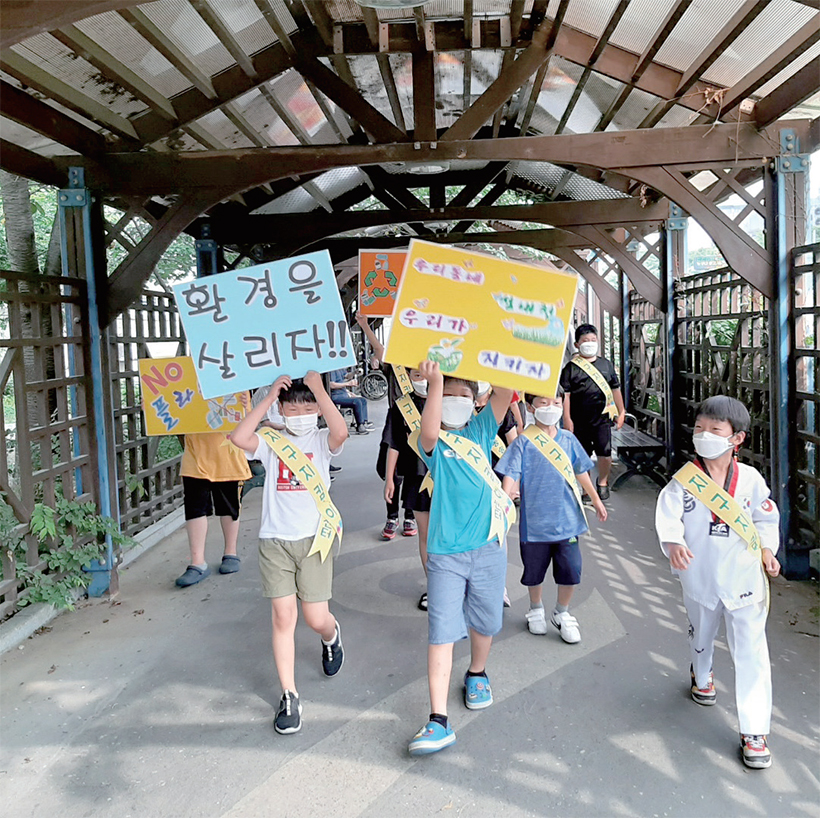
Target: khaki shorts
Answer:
pixel 287 569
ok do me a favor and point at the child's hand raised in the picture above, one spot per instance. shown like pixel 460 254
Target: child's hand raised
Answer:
pixel 313 381
pixel 282 382
pixel 431 372
pixel 679 556
pixel 770 563
pixel 361 319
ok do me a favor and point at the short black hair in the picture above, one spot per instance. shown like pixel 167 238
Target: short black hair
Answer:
pixel 529 397
pixel 585 329
pixel 722 407
pixel 472 385
pixel 299 392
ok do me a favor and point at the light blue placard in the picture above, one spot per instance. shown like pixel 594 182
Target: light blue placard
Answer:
pixel 247 327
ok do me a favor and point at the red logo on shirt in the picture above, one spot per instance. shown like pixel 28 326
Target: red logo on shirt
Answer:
pixel 286 480
pixel 767 506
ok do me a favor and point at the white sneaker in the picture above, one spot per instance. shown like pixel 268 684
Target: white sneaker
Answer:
pixel 537 621
pixel 567 626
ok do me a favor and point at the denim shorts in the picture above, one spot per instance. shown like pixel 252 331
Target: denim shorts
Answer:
pixel 465 591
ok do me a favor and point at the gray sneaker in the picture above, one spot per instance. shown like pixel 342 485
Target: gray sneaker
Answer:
pixel 289 718
pixel 193 575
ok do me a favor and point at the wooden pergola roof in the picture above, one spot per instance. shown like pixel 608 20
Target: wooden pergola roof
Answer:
pixel 275 117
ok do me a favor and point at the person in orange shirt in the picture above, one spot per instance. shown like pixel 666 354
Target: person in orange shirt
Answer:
pixel 213 470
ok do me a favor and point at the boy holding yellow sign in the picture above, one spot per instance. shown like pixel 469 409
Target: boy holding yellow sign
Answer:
pixel 720 530
pixel 466 553
pixel 299 524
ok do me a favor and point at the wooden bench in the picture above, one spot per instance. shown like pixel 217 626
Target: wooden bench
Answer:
pixel 639 452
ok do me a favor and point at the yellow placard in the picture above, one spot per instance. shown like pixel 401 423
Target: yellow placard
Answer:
pixel 173 405
pixel 482 318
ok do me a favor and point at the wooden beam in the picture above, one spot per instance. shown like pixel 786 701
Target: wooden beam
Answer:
pixel 225 36
pixel 371 21
pixel 424 95
pixel 480 180
pixel 489 198
pixel 502 88
pixel 23 162
pixel 573 100
pixel 114 70
pixel 737 24
pixel 143 24
pixel 661 36
pixel 796 89
pixel 45 83
pixel 21 107
pixel 608 31
pixel 608 295
pixel 796 45
pixel 144 174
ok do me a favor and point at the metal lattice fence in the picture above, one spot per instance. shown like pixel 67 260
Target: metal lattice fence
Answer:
pixel 647 351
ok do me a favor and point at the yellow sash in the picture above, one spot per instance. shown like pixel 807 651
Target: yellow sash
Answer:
pixel 503 513
pixel 330 524
pixel 557 457
pixel 725 507
pixel 599 381
pixel 405 384
pixel 412 418
pixel 499 447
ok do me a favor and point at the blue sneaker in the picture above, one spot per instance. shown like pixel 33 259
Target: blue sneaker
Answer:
pixel 477 692
pixel 432 738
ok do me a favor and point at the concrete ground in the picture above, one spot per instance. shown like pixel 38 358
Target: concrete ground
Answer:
pixel 161 703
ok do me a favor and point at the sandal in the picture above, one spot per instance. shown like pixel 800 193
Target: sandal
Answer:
pixel 230 564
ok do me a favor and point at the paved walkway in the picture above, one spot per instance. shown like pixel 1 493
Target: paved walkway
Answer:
pixel 161 704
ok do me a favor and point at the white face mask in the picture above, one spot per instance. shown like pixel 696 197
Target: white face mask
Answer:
pixel 420 388
pixel 302 424
pixel 549 415
pixel 709 445
pixel 483 387
pixel 589 349
pixel 456 411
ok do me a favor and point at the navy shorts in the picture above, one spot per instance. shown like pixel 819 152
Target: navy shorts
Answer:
pixel 412 498
pixel 594 436
pixel 205 497
pixel 565 556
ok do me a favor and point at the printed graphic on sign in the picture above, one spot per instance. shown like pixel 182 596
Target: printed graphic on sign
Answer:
pixel 482 318
pixel 379 277
pixel 172 403
pixel 247 327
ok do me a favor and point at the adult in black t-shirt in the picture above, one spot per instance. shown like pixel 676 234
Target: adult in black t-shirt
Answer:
pixel 585 402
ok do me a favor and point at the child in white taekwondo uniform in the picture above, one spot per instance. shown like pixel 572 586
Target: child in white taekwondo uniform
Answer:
pixel 721 575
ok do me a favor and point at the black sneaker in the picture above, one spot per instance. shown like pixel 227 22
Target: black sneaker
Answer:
pixel 335 468
pixel 289 717
pixel 333 656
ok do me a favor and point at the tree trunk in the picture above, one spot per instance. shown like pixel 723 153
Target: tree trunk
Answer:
pixel 22 248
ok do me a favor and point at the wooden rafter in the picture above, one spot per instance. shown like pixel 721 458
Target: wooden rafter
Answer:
pixel 609 30
pixel 424 95
pixel 661 36
pixel 798 88
pixel 225 36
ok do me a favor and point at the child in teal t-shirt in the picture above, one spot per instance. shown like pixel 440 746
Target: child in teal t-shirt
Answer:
pixel 466 569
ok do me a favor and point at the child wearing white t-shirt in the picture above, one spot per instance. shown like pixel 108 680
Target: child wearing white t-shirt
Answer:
pixel 290 520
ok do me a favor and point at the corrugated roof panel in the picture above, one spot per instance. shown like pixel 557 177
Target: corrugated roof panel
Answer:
pixel 598 94
pixel 587 190
pixel 365 70
pixel 637 105
pixel 119 39
pixel 181 141
pixel 184 26
pixel 677 117
pixel 590 16
pixel 339 181
pixel 691 35
pixel 345 11
pixel 449 70
pixel 246 22
pixel 223 130
pixel 295 96
pixel 555 95
pixel 52 56
pixel 542 174
pixel 639 24
pixel 297 201
pixel 806 57
pixel 486 66
pixel 767 32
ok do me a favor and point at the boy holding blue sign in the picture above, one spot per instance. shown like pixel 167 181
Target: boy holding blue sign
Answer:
pixel 466 553
pixel 299 524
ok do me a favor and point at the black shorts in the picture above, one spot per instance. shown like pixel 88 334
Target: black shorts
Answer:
pixel 205 497
pixel 412 498
pixel 594 436
pixel 565 556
